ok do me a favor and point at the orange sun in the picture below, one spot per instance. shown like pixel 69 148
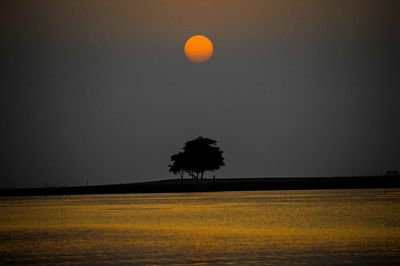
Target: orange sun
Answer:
pixel 198 48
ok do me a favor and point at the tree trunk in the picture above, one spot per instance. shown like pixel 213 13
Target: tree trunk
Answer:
pixel 202 173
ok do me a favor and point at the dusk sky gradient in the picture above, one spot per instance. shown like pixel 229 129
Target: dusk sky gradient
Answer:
pixel 103 90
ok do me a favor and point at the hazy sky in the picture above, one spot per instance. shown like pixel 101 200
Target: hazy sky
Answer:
pixel 102 89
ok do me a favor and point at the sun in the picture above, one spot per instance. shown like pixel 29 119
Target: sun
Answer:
pixel 198 48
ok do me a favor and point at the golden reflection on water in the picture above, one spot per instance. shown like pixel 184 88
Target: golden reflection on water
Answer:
pixel 327 227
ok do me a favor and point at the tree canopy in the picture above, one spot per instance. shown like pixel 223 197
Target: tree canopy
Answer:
pixel 198 156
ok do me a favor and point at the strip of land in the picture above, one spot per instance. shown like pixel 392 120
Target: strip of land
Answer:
pixel 223 184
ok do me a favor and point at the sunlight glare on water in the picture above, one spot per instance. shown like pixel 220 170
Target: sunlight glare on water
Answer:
pixel 321 227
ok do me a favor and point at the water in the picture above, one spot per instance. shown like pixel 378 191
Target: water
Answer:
pixel 321 227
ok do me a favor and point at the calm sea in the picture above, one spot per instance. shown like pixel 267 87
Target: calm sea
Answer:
pixel 320 227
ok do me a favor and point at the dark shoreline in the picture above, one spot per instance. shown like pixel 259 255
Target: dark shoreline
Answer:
pixel 209 185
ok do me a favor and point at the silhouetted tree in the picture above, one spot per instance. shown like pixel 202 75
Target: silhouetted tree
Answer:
pixel 178 167
pixel 198 156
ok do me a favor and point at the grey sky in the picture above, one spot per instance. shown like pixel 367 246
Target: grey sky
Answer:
pixel 101 89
